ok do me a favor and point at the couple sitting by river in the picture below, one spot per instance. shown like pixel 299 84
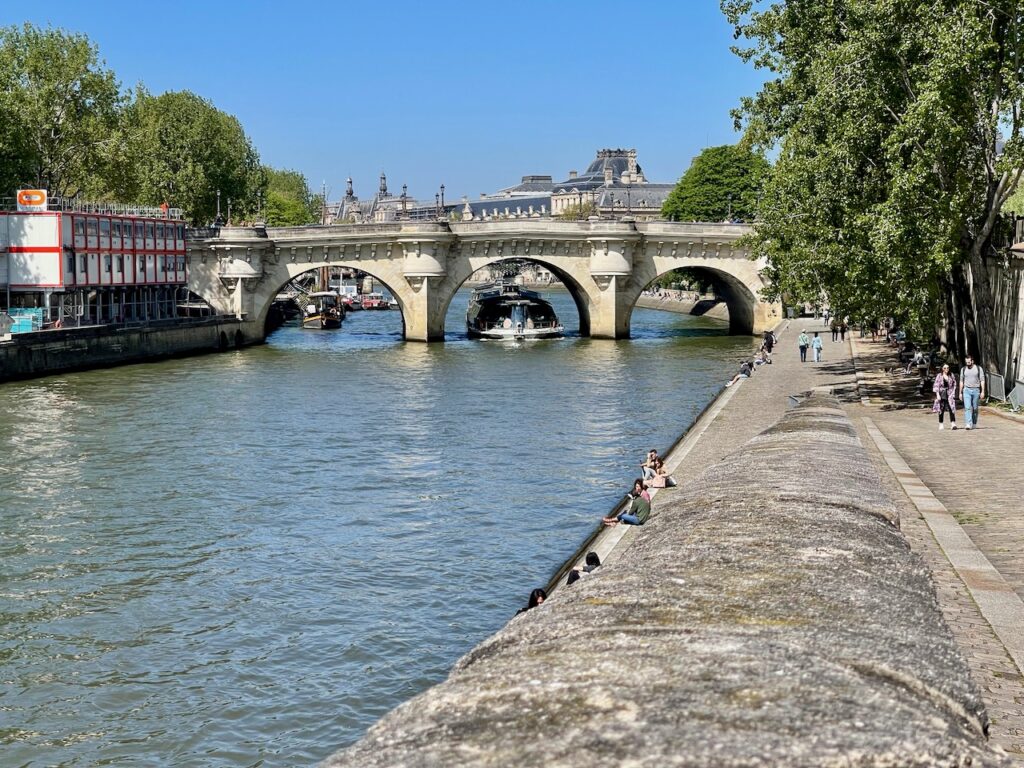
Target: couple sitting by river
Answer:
pixel 654 476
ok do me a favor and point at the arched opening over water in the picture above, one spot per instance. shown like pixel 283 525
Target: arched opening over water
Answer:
pixel 708 292
pixel 387 327
pixel 540 275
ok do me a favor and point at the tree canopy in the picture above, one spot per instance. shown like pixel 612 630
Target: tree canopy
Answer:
pixel 180 149
pixel 59 109
pixel 289 199
pixel 721 183
pixel 887 118
pixel 66 126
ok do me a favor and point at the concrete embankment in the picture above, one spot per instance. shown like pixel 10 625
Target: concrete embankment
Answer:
pixel 75 349
pixel 702 307
pixel 769 613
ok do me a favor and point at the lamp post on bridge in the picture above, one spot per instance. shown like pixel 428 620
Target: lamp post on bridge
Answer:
pixel 442 199
pixel 405 187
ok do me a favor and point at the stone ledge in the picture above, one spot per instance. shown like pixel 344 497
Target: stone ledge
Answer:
pixel 769 613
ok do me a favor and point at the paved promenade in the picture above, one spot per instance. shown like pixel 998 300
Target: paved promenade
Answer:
pixel 964 487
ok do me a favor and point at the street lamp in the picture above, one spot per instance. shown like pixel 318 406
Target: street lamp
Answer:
pixel 728 216
pixel 629 199
pixel 580 207
pixel 229 211
pixel 405 187
pixel 437 204
pixel 217 221
pixel 442 197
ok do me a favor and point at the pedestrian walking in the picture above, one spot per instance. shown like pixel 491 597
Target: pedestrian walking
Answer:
pixel 835 330
pixel 827 312
pixel 842 331
pixel 944 388
pixel 816 346
pixel 804 343
pixel 972 391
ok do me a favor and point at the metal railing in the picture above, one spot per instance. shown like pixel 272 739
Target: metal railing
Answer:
pixel 74 205
pixel 997 387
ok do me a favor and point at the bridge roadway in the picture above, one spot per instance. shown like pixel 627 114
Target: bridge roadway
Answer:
pixel 605 265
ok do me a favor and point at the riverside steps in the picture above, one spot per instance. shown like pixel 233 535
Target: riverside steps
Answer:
pixel 769 613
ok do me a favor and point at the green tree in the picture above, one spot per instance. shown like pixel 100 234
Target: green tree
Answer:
pixel 721 183
pixel 886 116
pixel 180 149
pixel 575 211
pixel 59 109
pixel 289 200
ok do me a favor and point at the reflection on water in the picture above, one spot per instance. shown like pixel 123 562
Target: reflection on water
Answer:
pixel 251 556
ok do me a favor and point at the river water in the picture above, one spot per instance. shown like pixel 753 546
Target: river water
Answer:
pixel 245 559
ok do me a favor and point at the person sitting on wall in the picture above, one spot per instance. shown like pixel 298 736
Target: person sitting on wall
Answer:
pixel 662 479
pixel 637 514
pixel 744 373
pixel 537 597
pixel 647 468
pixel 592 563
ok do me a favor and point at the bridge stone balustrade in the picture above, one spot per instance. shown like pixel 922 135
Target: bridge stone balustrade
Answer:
pixel 605 265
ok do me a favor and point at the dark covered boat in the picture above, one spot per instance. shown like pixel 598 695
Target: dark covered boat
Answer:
pixel 509 311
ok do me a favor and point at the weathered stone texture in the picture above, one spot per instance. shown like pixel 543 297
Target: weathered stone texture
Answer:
pixel 769 614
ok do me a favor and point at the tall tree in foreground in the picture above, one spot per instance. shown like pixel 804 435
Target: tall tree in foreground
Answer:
pixel 721 183
pixel 887 115
pixel 59 108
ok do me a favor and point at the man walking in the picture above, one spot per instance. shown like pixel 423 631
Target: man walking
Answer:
pixel 972 391
pixel 804 342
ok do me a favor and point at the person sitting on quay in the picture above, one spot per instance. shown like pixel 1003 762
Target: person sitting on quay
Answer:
pixel 744 373
pixel 592 563
pixel 647 468
pixel 761 358
pixel 661 479
pixel 537 597
pixel 637 514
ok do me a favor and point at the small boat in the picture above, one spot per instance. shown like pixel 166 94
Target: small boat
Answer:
pixel 323 310
pixel 507 311
pixel 375 301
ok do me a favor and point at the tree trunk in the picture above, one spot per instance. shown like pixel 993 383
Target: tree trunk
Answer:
pixel 982 333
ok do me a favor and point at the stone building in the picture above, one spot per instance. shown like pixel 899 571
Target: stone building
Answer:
pixel 614 183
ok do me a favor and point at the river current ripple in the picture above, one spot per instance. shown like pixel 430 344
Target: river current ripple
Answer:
pixel 245 559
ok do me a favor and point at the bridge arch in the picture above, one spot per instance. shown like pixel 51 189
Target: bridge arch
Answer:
pixel 400 296
pixel 572 284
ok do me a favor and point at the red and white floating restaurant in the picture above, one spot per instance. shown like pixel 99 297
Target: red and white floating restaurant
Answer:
pixel 92 263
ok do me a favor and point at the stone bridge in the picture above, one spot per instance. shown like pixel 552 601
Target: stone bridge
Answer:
pixel 605 265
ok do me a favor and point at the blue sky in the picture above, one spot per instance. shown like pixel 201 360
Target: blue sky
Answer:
pixel 470 94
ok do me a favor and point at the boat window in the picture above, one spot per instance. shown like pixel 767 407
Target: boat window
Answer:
pixel 79 226
pixel 160 230
pixel 105 227
pixel 117 227
pixel 71 264
pixel 120 263
pixel 181 231
pixel 138 229
pixel 90 227
pixel 149 230
pixel 106 263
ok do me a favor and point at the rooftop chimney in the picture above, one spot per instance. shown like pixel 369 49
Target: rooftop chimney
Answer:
pixel 572 174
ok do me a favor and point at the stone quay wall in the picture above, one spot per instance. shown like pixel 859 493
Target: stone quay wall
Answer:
pixel 76 349
pixel 769 613
pixel 703 307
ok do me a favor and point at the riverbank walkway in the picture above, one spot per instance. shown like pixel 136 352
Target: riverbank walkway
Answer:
pixel 959 493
